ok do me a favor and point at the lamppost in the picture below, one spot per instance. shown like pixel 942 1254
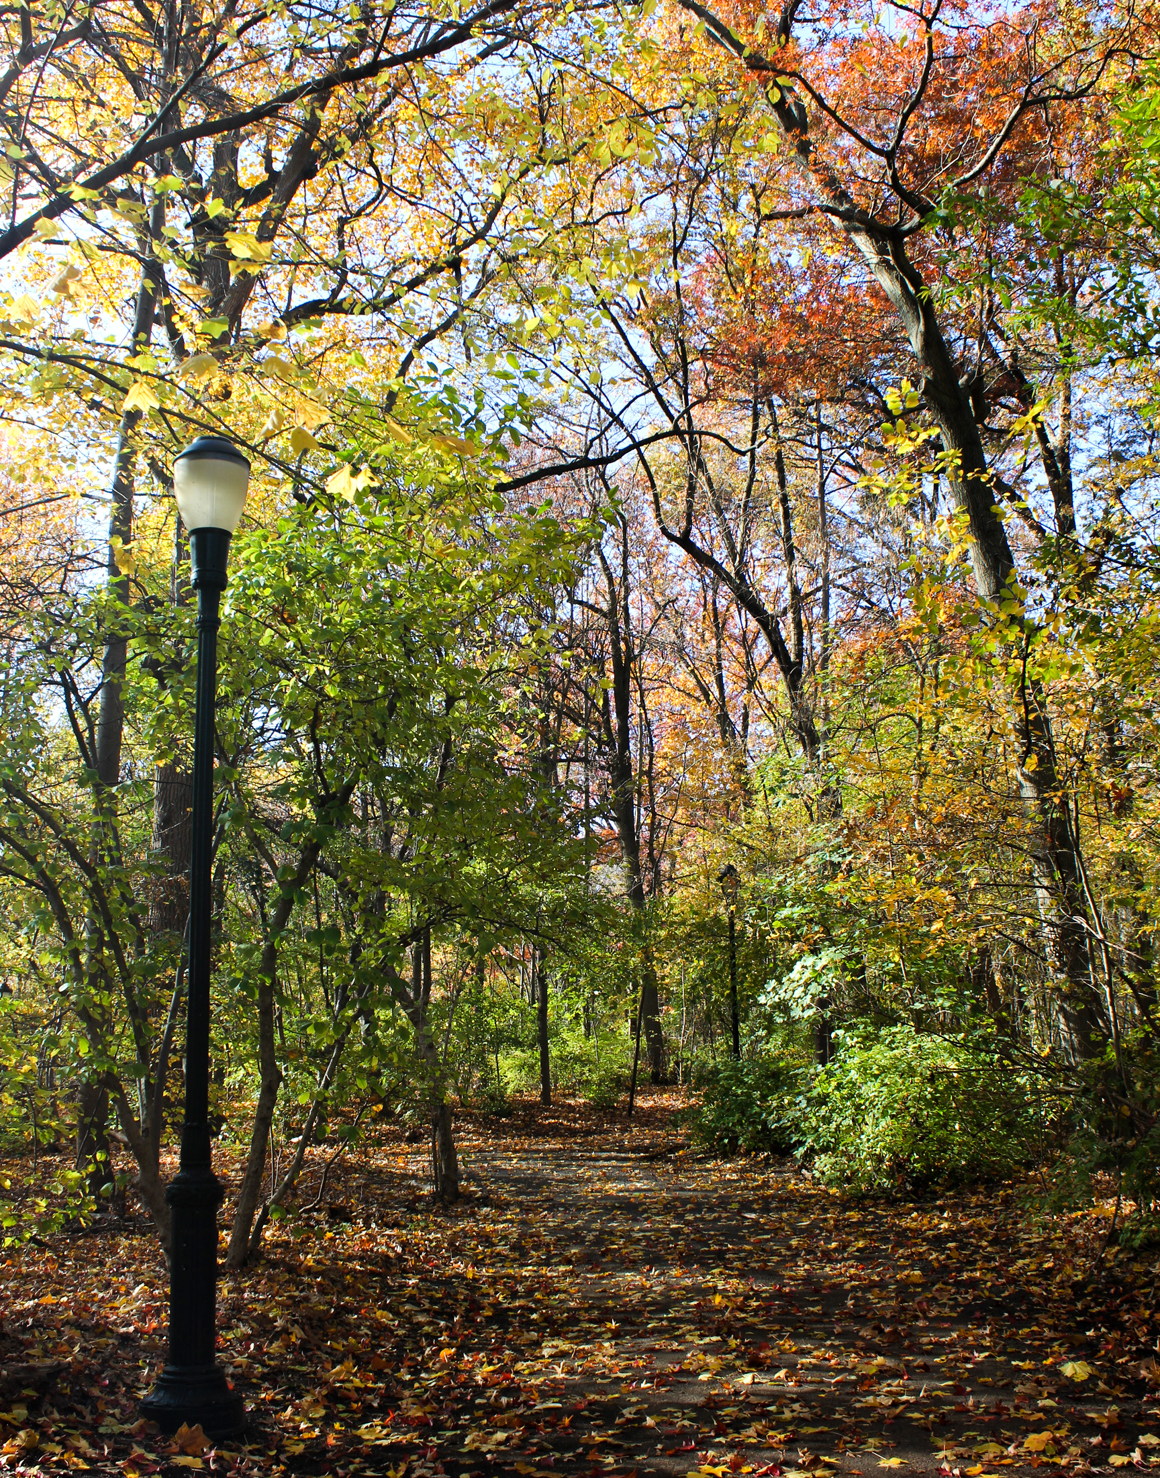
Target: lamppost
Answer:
pixel 729 878
pixel 210 481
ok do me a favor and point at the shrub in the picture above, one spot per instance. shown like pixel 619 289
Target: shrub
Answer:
pixel 1114 1131
pixel 899 1110
pixel 752 1104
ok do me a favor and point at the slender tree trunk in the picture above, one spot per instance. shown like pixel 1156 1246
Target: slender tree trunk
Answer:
pixel 285 1185
pixel 415 1002
pixel 111 708
pixel 92 1137
pixel 635 1055
pixel 172 797
pixel 539 967
pixel 734 1010
pixel 270 1081
pixel 617 730
pixel 111 712
pixel 269 1072
pixel 446 1158
pixel 172 838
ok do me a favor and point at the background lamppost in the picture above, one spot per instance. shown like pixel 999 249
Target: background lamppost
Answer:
pixel 210 481
pixel 729 878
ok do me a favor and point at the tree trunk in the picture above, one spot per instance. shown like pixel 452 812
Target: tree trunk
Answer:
pixel 106 758
pixel 172 838
pixel 445 1159
pixel 414 1002
pixel 172 798
pixel 270 1074
pixel 92 1138
pixel 616 732
pixel 270 1082
pixel 539 967
pixel 734 1009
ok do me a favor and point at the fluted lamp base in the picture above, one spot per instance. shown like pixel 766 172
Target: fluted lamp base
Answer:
pixel 195 1395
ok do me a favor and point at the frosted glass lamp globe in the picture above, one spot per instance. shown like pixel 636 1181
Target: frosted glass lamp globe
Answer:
pixel 210 481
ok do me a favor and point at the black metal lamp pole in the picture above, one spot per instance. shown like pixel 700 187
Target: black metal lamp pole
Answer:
pixel 728 878
pixel 192 1388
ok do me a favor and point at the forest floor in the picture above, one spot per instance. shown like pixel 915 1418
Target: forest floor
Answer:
pixel 604 1302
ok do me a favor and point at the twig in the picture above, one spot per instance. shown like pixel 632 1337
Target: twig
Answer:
pixel 314 1205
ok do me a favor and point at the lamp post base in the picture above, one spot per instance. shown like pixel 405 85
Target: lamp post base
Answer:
pixel 195 1395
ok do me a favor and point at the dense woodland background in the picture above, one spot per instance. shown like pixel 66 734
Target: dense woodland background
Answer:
pixel 681 439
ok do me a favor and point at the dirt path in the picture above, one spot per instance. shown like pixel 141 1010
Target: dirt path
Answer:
pixel 601 1303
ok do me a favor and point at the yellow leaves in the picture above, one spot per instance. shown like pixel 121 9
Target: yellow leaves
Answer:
pixel 457 445
pixel 1077 1370
pixel 24 309
pixel 275 331
pixel 246 247
pixel 190 1440
pixel 345 484
pixel 198 365
pixel 891 1462
pixel 141 397
pixel 123 556
pixel 440 441
pixel 278 417
pixel 372 1432
pixel 24 1441
pixel 1038 1441
pixel 311 413
pixel 906 397
pixel 914 1276
pixel 302 441
pixel 64 279
pixel 1027 422
pixel 275 365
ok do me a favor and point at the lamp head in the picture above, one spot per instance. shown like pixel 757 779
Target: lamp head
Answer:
pixel 210 481
pixel 729 878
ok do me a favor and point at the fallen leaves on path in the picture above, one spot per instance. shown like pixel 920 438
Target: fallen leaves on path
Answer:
pixel 604 1303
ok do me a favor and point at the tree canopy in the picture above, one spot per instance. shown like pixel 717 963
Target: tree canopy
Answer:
pixel 683 438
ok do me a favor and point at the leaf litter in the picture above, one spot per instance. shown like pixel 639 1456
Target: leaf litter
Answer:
pixel 603 1302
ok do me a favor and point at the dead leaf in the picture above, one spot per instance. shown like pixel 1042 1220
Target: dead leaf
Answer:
pixel 190 1440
